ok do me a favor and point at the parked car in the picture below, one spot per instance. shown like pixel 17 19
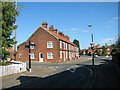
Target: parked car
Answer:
pixel 95 56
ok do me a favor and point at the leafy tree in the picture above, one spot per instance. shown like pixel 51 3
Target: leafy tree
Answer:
pixel 86 52
pixel 104 51
pixel 76 42
pixel 8 21
pixel 116 47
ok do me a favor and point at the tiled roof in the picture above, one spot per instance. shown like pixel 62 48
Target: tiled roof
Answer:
pixel 58 36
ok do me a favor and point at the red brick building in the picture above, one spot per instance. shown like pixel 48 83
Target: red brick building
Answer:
pixel 98 48
pixel 50 46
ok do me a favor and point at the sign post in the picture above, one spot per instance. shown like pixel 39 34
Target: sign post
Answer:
pixel 28 46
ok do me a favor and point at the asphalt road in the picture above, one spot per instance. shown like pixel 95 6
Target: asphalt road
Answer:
pixel 76 75
pixel 71 78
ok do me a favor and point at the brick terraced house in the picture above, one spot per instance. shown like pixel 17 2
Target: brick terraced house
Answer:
pixel 98 48
pixel 50 46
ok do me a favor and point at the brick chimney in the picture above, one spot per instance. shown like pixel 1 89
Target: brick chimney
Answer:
pixel 105 44
pixel 44 24
pixel 51 28
pixel 67 37
pixel 61 34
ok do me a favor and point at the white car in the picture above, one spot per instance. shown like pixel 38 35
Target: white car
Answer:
pixel 96 56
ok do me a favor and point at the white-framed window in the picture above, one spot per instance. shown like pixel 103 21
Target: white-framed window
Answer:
pixel 66 46
pixel 50 44
pixel 108 53
pixel 69 46
pixel 32 46
pixel 60 44
pixel 20 55
pixel 108 49
pixel 72 54
pixel 50 55
pixel 32 55
pixel 69 55
pixel 60 54
pixel 66 54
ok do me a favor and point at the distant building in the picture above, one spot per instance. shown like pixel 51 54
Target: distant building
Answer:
pixel 50 46
pixel 97 49
pixel 83 51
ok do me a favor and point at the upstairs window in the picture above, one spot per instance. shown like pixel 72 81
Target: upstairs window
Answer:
pixel 60 44
pixel 49 44
pixel 108 49
pixel 66 46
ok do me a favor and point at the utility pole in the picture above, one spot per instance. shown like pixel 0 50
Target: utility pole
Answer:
pixel 15 32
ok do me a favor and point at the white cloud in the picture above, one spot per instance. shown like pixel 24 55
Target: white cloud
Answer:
pixel 108 40
pixel 75 29
pixel 114 18
pixel 85 31
pixel 112 21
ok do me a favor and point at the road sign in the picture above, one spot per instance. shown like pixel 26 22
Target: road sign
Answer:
pixel 92 44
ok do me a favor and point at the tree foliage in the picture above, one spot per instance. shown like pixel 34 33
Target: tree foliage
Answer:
pixel 76 42
pixel 103 51
pixel 116 47
pixel 8 21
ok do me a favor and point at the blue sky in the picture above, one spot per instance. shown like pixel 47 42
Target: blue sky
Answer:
pixel 72 18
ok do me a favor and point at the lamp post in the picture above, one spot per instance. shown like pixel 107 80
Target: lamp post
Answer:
pixel 92 44
pixel 28 46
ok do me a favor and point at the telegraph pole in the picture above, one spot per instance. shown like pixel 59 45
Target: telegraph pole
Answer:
pixel 15 32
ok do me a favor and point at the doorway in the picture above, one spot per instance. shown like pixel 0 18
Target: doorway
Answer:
pixel 40 57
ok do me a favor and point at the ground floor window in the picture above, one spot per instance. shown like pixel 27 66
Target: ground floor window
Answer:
pixel 66 54
pixel 60 54
pixel 50 55
pixel 20 55
pixel 32 55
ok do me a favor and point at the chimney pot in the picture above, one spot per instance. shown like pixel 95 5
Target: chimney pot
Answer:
pixel 44 24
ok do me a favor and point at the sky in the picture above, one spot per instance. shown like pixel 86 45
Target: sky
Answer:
pixel 72 18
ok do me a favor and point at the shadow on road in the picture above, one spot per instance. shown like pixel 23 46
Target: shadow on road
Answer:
pixel 65 79
pixel 107 74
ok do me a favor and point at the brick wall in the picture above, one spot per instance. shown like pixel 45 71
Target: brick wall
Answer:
pixel 39 38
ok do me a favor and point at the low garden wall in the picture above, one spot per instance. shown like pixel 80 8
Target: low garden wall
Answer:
pixel 14 67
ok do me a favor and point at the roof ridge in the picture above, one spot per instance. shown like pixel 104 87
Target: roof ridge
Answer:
pixel 60 37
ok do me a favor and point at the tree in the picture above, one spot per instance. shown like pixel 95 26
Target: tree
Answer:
pixel 8 20
pixel 116 47
pixel 76 42
pixel 104 51
pixel 116 51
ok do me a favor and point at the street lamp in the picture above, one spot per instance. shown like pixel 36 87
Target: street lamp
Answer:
pixel 28 46
pixel 92 44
